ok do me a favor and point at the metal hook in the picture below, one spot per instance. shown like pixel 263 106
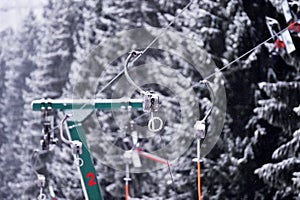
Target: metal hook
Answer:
pixel 132 54
pixel 67 141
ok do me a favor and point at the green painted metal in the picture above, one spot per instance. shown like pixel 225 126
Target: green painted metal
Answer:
pixel 102 104
pixel 76 132
pixel 88 172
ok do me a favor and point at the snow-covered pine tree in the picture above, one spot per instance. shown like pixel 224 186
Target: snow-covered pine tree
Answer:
pixel 18 49
pixel 3 55
pixel 277 111
pixel 53 60
pixel 72 28
pixel 276 125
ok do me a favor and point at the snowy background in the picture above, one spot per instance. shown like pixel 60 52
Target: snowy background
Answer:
pixel 43 54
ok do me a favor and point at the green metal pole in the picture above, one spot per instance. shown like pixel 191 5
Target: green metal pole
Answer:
pixel 101 104
pixel 88 173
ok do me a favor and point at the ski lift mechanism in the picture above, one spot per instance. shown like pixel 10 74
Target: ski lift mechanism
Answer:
pixel 284 40
pixel 76 136
pixel 149 103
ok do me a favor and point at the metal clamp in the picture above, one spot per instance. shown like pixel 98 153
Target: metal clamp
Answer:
pixel 77 150
pixel 150 102
pixel 200 125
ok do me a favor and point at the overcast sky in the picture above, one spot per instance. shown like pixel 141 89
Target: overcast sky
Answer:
pixel 12 12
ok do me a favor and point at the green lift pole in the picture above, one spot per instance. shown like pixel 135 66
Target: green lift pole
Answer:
pixel 84 109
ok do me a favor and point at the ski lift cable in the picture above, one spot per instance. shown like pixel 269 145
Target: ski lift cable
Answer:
pixel 231 63
pixel 148 46
pixel 243 55
pixel 151 100
pixel 138 54
pixel 211 75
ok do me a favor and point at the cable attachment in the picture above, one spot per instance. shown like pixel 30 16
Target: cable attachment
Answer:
pixel 77 150
pixel 151 104
pixel 41 184
pixel 151 99
pixel 63 139
pixel 48 140
pixel 131 55
pixel 200 133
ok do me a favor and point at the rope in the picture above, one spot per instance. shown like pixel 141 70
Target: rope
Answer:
pixel 199 181
pixel 152 157
pixel 110 82
pixel 234 61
